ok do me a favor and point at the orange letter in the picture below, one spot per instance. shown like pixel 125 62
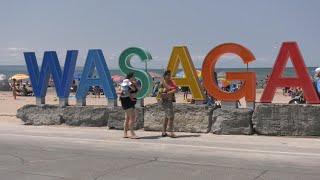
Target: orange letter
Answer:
pixel 290 49
pixel 249 78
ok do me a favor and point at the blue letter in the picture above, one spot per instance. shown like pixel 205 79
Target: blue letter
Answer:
pixel 50 64
pixel 96 59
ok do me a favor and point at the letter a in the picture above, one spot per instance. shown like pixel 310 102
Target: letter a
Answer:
pixel 290 49
pixel 96 59
pixel 180 54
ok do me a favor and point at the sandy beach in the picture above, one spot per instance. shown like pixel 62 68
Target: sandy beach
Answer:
pixel 9 105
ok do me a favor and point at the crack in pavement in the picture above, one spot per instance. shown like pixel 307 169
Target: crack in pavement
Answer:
pixel 126 167
pixel 15 156
pixel 263 172
pixel 20 158
pixel 48 160
pixel 215 165
pixel 21 172
pixel 82 153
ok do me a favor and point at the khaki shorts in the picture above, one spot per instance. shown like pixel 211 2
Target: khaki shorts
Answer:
pixel 168 108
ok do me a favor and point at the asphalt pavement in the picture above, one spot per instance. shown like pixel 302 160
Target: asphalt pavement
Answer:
pixel 61 152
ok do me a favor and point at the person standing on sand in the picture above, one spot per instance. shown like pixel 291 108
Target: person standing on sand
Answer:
pixel 167 99
pixel 14 89
pixel 127 92
pixel 267 78
pixel 185 90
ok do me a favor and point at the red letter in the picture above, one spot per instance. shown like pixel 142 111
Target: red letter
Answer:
pixel 290 49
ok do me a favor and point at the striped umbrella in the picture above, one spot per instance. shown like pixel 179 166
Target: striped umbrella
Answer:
pixel 19 76
pixel 117 78
pixel 222 82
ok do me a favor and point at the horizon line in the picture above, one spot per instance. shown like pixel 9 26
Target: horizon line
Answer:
pixel 179 68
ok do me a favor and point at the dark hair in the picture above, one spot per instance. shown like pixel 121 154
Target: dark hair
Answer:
pixel 129 75
pixel 166 72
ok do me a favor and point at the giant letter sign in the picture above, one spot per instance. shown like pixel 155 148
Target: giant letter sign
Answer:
pixel 96 59
pixel 125 67
pixel 180 54
pixel 289 49
pixel 249 79
pixel 50 63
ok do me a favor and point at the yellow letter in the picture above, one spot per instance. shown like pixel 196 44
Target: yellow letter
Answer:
pixel 180 54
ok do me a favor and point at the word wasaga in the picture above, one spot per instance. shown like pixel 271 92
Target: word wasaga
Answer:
pixel 179 55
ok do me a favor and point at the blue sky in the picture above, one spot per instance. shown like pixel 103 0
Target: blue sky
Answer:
pixel 59 25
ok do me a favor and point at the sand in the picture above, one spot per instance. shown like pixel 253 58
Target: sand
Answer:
pixel 9 105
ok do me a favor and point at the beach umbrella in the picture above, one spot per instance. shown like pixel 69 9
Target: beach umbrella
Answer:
pixel 77 76
pixel 19 76
pixel 155 75
pixel 222 82
pixel 181 74
pixel 117 78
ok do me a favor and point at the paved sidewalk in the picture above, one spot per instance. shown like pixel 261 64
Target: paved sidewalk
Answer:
pixel 61 152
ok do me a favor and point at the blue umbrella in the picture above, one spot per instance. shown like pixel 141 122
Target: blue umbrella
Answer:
pixel 77 76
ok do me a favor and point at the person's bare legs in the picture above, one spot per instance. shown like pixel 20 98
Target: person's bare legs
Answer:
pixel 132 117
pixel 131 122
pixel 165 124
pixel 126 125
pixel 171 127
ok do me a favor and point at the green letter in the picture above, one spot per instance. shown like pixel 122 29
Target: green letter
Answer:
pixel 125 67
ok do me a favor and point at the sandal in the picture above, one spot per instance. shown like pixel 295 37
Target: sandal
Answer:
pixel 173 135
pixel 134 137
pixel 164 135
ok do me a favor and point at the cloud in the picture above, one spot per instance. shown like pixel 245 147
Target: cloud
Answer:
pixel 16 49
pixel 14 56
pixel 230 56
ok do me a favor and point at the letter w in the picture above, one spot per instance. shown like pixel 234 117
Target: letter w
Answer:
pixel 50 65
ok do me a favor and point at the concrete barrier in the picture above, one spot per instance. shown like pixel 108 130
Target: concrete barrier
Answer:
pixel 116 118
pixel 41 115
pixel 93 116
pixel 188 118
pixel 287 119
pixel 232 121
pixel 266 119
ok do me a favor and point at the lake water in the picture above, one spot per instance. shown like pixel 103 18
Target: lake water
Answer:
pixel 261 73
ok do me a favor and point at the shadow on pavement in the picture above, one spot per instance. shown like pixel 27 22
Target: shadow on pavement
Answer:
pixel 178 136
